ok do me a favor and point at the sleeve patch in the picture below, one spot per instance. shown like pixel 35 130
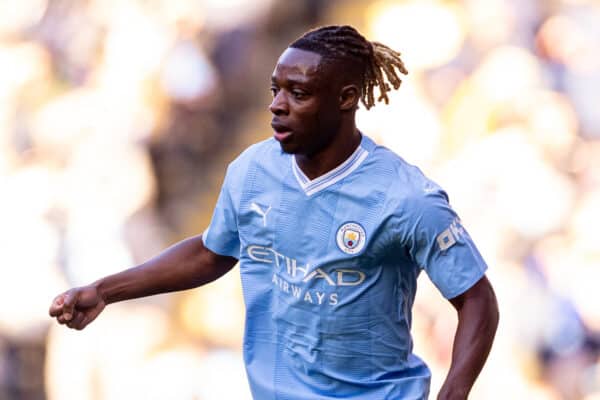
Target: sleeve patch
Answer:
pixel 450 235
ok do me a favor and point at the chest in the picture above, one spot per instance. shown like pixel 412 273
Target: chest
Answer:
pixel 341 225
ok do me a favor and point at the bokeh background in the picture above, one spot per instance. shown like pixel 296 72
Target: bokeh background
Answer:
pixel 117 121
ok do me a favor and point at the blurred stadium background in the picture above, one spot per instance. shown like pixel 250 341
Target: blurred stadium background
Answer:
pixel 118 118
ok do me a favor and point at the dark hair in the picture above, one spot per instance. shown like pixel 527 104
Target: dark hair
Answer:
pixel 377 62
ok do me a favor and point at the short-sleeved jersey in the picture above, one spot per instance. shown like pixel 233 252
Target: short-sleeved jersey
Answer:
pixel 329 270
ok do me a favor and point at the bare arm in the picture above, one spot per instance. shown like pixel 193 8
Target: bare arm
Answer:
pixel 185 265
pixel 477 322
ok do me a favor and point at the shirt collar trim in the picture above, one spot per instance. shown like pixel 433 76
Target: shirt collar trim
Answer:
pixel 322 182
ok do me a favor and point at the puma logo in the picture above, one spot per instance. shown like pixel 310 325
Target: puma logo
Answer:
pixel 429 189
pixel 256 208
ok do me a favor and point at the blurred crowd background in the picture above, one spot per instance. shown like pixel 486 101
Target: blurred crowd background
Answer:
pixel 117 121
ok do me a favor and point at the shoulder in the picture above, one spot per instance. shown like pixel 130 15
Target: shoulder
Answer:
pixel 261 158
pixel 408 187
pixel 257 153
pixel 254 153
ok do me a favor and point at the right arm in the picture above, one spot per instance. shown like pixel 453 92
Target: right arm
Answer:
pixel 185 265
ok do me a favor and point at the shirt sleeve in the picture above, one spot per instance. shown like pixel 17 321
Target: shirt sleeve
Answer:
pixel 222 235
pixel 438 243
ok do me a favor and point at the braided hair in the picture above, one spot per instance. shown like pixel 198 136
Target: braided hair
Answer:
pixel 379 64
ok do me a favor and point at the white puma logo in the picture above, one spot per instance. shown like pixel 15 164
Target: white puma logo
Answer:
pixel 256 208
pixel 429 189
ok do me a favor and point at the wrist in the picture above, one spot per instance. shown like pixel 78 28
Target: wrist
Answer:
pixel 100 288
pixel 453 393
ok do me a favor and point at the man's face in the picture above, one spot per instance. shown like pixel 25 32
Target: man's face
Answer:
pixel 305 107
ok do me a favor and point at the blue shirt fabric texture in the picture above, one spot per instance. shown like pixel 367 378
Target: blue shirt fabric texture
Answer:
pixel 329 270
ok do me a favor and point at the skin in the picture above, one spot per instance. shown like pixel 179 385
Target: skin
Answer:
pixel 185 265
pixel 478 317
pixel 313 111
pixel 318 106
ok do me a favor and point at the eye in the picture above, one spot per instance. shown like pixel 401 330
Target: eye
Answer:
pixel 274 90
pixel 299 94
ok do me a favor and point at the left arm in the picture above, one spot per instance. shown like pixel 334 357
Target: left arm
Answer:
pixel 477 322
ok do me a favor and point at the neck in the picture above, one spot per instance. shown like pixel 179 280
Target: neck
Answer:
pixel 336 152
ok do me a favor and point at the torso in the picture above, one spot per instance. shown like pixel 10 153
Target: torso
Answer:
pixel 328 290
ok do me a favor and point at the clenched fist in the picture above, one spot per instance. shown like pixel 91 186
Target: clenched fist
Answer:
pixel 77 307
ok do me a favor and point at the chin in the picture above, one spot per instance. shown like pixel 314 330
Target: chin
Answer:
pixel 289 148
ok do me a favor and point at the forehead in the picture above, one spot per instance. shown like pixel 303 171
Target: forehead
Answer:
pixel 298 65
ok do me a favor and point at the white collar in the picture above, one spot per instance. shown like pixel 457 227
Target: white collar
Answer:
pixel 313 186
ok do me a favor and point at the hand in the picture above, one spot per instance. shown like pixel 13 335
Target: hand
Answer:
pixel 77 307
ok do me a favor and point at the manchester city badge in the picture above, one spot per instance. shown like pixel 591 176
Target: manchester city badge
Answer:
pixel 351 238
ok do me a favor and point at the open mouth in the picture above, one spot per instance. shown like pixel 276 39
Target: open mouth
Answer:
pixel 281 132
pixel 281 136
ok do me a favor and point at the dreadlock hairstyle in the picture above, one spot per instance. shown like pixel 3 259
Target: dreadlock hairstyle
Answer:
pixel 377 62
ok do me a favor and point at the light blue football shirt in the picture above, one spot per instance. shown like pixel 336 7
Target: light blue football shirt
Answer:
pixel 329 270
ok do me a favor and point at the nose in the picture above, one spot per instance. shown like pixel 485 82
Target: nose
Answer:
pixel 279 105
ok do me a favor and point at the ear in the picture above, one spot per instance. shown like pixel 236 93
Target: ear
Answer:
pixel 349 97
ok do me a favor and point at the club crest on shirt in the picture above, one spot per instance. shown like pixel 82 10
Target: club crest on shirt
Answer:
pixel 351 238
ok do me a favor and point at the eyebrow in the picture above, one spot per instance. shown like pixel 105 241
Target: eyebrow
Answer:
pixel 291 81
